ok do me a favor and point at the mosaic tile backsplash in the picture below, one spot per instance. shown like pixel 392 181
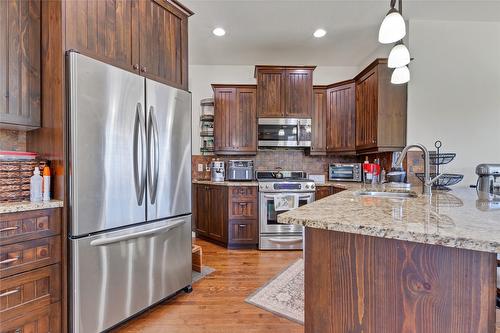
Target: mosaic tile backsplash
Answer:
pixel 12 140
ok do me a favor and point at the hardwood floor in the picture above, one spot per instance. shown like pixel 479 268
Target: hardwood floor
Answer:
pixel 217 303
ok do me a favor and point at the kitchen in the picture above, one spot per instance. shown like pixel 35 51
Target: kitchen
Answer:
pixel 330 95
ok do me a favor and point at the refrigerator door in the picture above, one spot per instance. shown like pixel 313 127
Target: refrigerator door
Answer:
pixel 120 273
pixel 168 120
pixel 107 136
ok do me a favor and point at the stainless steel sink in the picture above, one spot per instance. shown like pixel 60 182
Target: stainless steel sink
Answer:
pixel 393 195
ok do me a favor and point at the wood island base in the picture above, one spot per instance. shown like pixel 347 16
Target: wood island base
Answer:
pixel 357 283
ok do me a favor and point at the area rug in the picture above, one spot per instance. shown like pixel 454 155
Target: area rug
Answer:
pixel 205 270
pixel 284 294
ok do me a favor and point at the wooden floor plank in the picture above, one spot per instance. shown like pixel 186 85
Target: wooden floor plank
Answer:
pixel 217 303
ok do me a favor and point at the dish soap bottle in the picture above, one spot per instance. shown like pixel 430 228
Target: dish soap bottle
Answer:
pixel 36 186
pixel 46 184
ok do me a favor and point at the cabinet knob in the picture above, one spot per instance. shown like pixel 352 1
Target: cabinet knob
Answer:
pixel 135 67
pixel 144 69
pixel 241 225
pixel 374 140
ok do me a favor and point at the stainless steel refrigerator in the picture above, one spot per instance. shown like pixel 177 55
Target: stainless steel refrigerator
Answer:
pixel 129 192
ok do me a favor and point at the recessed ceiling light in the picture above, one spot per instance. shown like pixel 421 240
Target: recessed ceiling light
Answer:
pixel 319 33
pixel 219 32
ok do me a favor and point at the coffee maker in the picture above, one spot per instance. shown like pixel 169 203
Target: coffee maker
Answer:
pixel 217 171
pixel 488 186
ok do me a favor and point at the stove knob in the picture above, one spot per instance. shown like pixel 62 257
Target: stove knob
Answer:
pixel 312 186
pixel 267 186
pixel 307 186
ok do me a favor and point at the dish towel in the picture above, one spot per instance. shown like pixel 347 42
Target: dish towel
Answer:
pixel 284 202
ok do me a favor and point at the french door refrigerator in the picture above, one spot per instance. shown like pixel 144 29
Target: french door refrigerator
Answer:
pixel 129 193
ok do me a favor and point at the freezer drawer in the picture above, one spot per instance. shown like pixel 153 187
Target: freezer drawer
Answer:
pixel 117 274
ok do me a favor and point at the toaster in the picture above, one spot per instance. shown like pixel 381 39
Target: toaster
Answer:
pixel 239 170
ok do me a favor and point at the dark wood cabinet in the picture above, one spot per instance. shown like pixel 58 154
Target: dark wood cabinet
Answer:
pixel 235 122
pixel 20 64
pixel 380 110
pixel 227 215
pixel 319 118
pixel 284 91
pixel 323 191
pixel 211 212
pixel 341 115
pixel 31 273
pixel 148 37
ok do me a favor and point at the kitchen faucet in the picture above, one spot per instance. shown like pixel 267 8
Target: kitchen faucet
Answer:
pixel 428 181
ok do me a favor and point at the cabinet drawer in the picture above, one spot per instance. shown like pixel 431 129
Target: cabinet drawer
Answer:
pixel 23 293
pixel 42 320
pixel 20 227
pixel 243 193
pixel 243 232
pixel 21 257
pixel 243 209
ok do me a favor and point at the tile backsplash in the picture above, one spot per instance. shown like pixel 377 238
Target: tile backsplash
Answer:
pixel 12 140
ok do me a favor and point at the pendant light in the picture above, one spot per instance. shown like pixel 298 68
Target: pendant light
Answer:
pixel 400 75
pixel 393 27
pixel 399 56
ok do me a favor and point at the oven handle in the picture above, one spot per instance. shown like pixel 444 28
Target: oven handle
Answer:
pixel 286 240
pixel 273 196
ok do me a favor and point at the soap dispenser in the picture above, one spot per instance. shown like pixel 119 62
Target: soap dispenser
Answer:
pixel 36 186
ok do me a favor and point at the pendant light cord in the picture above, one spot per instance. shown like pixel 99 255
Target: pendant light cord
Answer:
pixel 401 7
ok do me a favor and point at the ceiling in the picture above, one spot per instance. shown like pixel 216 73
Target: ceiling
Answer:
pixel 280 31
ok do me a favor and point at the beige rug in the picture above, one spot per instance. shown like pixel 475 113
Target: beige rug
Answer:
pixel 284 294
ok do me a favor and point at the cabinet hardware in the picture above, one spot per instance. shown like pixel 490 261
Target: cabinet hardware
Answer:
pixel 144 69
pixel 135 67
pixel 8 261
pixel 9 228
pixel 11 292
pixel 242 225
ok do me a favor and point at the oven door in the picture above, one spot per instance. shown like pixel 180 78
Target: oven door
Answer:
pixel 269 216
pixel 284 132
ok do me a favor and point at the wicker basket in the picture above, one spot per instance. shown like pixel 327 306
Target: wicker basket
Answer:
pixel 15 179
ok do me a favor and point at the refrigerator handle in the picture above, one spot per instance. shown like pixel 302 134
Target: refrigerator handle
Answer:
pixel 110 240
pixel 153 143
pixel 139 175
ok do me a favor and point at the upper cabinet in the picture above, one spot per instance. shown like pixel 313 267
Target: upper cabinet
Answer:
pixel 235 122
pixel 20 69
pixel 341 118
pixel 284 91
pixel 148 37
pixel 380 110
pixel 319 125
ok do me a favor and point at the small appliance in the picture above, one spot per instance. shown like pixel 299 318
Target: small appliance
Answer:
pixel 273 235
pixel 346 172
pixel 240 170
pixel 217 171
pixel 488 182
pixel 284 132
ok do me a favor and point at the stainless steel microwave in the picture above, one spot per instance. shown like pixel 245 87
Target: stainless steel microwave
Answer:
pixel 284 132
pixel 347 172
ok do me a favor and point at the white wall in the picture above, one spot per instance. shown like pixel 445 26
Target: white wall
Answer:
pixel 201 77
pixel 454 92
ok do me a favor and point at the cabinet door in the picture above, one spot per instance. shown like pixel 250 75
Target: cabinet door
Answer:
pixel 20 52
pixel 319 126
pixel 341 115
pixel 243 232
pixel 225 105
pixel 202 209
pixel 298 94
pixel 271 92
pixel 105 30
pixel 244 127
pixel 46 319
pixel 217 225
pixel 322 192
pixel 163 43
pixel 366 111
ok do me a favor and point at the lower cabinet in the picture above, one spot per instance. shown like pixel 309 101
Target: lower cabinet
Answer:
pixel 31 271
pixel 226 215
pixel 323 191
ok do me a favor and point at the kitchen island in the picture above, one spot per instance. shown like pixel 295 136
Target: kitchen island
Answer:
pixel 374 264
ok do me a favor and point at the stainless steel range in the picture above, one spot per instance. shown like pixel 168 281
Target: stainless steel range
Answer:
pixel 275 188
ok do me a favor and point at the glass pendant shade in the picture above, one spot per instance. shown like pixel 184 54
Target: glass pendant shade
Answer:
pixel 393 28
pixel 399 56
pixel 400 75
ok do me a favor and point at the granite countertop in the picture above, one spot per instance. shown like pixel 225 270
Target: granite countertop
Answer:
pixel 15 207
pixel 226 183
pixel 454 219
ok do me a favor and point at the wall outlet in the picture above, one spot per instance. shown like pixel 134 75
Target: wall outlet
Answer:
pixel 200 167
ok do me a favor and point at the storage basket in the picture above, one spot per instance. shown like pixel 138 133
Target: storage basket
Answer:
pixel 15 179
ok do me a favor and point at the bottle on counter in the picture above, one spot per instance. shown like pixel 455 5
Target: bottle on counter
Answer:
pixel 367 169
pixel 36 186
pixel 46 184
